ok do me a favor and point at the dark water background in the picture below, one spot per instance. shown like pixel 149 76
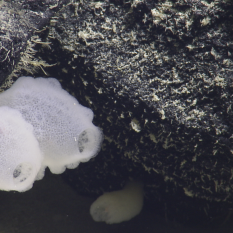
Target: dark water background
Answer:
pixel 52 206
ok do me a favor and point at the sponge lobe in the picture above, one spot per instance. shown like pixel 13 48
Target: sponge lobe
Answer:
pixel 61 125
pixel 118 206
pixel 20 155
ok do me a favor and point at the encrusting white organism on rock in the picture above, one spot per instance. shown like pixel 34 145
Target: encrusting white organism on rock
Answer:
pixel 62 127
pixel 20 154
pixel 119 206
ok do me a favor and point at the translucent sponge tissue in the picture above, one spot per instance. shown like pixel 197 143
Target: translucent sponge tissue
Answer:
pixel 61 127
pixel 20 155
pixel 119 206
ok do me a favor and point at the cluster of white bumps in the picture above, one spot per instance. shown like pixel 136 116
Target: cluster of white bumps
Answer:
pixel 42 125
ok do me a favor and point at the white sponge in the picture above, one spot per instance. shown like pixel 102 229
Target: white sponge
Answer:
pixel 62 126
pixel 20 155
pixel 119 206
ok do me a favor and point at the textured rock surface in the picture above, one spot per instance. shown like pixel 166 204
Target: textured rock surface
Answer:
pixel 158 76
pixel 177 80
pixel 19 19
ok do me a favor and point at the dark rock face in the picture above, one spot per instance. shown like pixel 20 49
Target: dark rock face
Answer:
pixel 19 19
pixel 169 75
pixel 158 76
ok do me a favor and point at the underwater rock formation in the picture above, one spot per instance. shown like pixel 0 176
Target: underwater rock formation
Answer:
pixel 158 76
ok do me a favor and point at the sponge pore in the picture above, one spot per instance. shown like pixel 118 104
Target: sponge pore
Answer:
pixel 62 126
pixel 20 155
